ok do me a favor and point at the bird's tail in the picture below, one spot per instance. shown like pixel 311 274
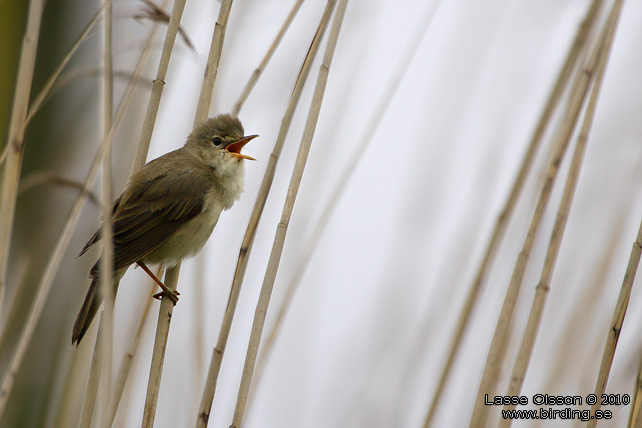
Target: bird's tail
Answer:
pixel 87 312
pixel 90 306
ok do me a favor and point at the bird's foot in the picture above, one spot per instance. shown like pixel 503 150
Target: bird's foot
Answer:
pixel 169 293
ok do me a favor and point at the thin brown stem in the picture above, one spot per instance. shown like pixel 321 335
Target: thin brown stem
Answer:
pixel 53 264
pixel 158 355
pixel 371 128
pixel 499 344
pixel 15 141
pixel 634 259
pixel 279 239
pixel 106 281
pixel 615 327
pixel 209 389
pixel 213 61
pixel 126 363
pixel 534 320
pixel 91 392
pixel 463 320
pixel 171 277
pixel 46 89
pixel 157 87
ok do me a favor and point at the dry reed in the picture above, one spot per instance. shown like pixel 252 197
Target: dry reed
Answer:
pixel 490 376
pixel 106 282
pixel 171 277
pixel 46 89
pixel 104 339
pixel 279 239
pixel 615 329
pixel 250 379
pixel 62 243
pixel 331 204
pixel 91 392
pixel 463 320
pixel 15 144
pixel 160 345
pixel 127 360
pixel 634 259
pixel 597 69
pixel 157 87
pixel 209 389
pixel 583 310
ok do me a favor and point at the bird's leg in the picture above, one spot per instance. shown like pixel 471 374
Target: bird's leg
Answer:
pixel 167 292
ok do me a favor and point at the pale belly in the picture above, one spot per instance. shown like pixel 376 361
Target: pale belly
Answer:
pixel 187 241
pixel 193 235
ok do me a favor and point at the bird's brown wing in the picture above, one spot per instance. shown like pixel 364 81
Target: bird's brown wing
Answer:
pixel 147 217
pixel 147 220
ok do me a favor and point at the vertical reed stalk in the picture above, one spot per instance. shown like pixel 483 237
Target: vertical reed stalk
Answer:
pixel 101 363
pixel 616 327
pixel 57 254
pixel 46 89
pixel 89 401
pixel 106 327
pixel 171 277
pixel 15 141
pixel 583 308
pixel 577 47
pixel 158 355
pixel 634 259
pixel 90 394
pixel 279 239
pixel 126 362
pixel 45 284
pixel 246 246
pixel 213 61
pixel 135 78
pixel 373 125
pixel 490 376
pixel 532 327
pixel 157 89
pixel 198 329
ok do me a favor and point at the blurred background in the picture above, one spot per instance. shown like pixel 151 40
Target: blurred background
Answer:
pixel 368 331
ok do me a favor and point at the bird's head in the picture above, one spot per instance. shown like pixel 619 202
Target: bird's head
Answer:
pixel 219 140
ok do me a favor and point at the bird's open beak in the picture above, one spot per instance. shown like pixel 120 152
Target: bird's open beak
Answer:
pixel 235 147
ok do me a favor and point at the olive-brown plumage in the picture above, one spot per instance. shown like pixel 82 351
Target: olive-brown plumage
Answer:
pixel 170 206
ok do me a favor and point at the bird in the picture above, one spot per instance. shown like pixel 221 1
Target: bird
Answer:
pixel 170 207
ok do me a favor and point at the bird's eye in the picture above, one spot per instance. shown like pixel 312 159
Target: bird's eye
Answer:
pixel 217 141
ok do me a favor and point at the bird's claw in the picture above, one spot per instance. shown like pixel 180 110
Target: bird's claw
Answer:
pixel 170 294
